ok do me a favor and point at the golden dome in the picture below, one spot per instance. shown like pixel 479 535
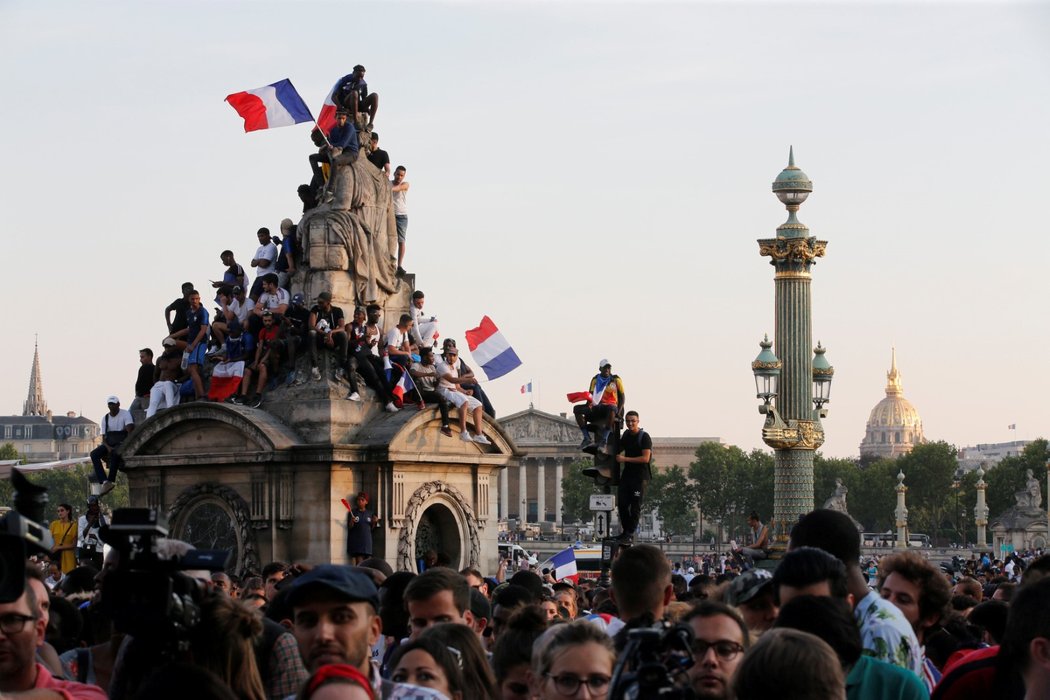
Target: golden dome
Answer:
pixel 894 425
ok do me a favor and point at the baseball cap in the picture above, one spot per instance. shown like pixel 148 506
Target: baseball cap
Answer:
pixel 603 363
pixel 298 299
pixel 350 584
pixel 92 500
pixel 113 399
pixel 748 585
pixel 238 289
pixel 324 296
pixel 168 342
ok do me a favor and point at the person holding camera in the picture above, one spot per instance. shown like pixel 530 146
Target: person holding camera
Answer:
pixel 64 533
pixel 89 544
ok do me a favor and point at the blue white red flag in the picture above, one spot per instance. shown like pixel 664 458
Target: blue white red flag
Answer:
pixel 526 388
pixel 565 565
pixel 491 350
pixel 277 104
pixel 326 119
pixel 403 385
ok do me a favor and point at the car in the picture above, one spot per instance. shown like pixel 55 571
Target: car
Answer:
pixel 515 553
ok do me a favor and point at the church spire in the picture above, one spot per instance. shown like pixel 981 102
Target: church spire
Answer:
pixel 893 377
pixel 35 404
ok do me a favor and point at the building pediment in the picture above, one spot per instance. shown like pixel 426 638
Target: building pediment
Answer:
pixel 534 427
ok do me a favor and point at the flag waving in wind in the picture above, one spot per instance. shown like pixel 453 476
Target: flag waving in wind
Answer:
pixel 277 104
pixel 564 564
pixel 491 349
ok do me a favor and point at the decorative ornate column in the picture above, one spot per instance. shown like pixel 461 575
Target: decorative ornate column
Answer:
pixel 980 512
pixel 559 475
pixel 792 426
pixel 504 493
pixel 523 491
pixel 541 489
pixel 901 513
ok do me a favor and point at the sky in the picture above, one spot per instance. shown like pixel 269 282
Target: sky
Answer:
pixel 592 176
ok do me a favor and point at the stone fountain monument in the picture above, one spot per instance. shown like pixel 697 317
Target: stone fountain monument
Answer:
pixel 268 483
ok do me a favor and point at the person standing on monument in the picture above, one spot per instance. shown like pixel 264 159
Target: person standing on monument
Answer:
pixel 636 452
pixel 399 186
pixel 144 380
pixel 360 523
pixel 198 325
pixel 377 156
pixel 265 255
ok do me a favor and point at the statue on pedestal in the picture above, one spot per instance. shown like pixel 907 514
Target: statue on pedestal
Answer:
pixel 838 498
pixel 1031 497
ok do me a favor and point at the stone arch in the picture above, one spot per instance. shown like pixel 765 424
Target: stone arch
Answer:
pixel 204 504
pixel 170 431
pixel 430 494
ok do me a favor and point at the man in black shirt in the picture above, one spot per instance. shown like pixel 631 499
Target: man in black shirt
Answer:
pixel 180 306
pixel 636 450
pixel 326 329
pixel 378 157
pixel 143 382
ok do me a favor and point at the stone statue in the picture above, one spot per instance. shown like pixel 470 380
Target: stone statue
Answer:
pixel 350 242
pixel 837 501
pixel 1032 496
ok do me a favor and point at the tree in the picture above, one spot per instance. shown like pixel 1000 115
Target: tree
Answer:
pixel 930 470
pixel 673 498
pixel 576 490
pixel 872 498
pixel 718 474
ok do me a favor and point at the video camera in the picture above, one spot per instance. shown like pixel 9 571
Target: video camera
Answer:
pixel 22 534
pixel 654 663
pixel 154 599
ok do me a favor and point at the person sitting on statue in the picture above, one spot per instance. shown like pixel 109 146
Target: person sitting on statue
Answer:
pixel 470 385
pixel 603 408
pixel 233 305
pixel 425 326
pixel 759 539
pixel 377 156
pixel 636 451
pixel 326 330
pixel 398 339
pixel 450 387
pixel 273 299
pixel 266 362
pixel 194 340
pixel 370 366
pixel 165 390
pixel 296 327
pixel 342 138
pixel 424 375
pixel 308 196
pixel 351 92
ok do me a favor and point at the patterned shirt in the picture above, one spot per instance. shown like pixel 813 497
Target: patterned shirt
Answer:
pixel 287 673
pixel 886 634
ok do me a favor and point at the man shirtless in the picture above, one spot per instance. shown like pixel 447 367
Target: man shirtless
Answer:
pixel 165 391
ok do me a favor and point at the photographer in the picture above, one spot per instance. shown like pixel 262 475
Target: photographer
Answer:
pixel 89 544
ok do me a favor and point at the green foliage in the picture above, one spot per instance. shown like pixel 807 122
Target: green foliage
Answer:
pixel 930 471
pixel 730 483
pixel 872 498
pixel 674 498
pixel 69 485
pixel 576 490
pixel 8 451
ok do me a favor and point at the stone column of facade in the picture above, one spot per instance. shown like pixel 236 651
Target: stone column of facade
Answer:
pixel 558 476
pixel 901 514
pixel 523 491
pixel 980 513
pixel 504 493
pixel 541 490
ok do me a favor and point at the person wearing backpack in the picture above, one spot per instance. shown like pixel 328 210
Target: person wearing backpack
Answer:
pixel 636 452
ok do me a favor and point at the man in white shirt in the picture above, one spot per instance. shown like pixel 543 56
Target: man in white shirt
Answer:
pixel 449 387
pixel 398 342
pixel 425 328
pixel 399 187
pixel 263 262
pixel 115 428
pixel 273 299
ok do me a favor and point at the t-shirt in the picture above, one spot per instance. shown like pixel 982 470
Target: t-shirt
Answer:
pixel 241 311
pixel 396 338
pixel 633 445
pixel 613 389
pixel 272 301
pixel 334 316
pixel 267 335
pixel 144 380
pixel 87 535
pixel 117 423
pixel 379 158
pixel 886 634
pixel 239 348
pixel 871 679
pixel 267 251
pixel 180 306
pixel 400 201
pixel 444 368
pixel 194 321
pixel 428 379
pixel 297 318
pixel 67 689
pixel 287 250
pixel 234 276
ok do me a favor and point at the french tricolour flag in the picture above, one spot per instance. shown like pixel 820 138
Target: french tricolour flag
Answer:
pixel 270 106
pixel 565 565
pixel 326 120
pixel 526 388
pixel 491 349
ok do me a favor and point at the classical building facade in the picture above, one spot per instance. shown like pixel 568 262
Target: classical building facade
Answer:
pixel 550 445
pixel 40 435
pixel 894 426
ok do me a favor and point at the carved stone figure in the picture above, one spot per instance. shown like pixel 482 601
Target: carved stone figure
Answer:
pixel 1032 496
pixel 837 501
pixel 353 234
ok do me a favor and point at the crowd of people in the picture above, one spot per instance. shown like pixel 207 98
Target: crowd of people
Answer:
pixel 825 623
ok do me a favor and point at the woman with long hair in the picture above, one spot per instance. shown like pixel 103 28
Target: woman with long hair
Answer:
pixel 64 532
pixel 430 664
pixel 478 680
pixel 224 643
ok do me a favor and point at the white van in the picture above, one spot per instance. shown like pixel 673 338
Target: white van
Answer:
pixel 515 552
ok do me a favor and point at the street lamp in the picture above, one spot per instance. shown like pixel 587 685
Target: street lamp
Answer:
pixel 957 487
pixel 692 526
pixel 793 385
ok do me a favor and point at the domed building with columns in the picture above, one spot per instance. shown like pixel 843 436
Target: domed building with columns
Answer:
pixel 894 425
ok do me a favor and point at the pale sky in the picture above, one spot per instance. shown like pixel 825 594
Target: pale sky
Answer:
pixel 593 176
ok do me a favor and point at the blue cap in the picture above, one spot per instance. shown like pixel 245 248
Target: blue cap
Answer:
pixel 347 582
pixel 298 299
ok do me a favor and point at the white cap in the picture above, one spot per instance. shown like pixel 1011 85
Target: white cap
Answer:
pixel 113 399
pixel 603 363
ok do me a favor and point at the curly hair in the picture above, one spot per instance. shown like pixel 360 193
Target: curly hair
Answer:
pixel 935 593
